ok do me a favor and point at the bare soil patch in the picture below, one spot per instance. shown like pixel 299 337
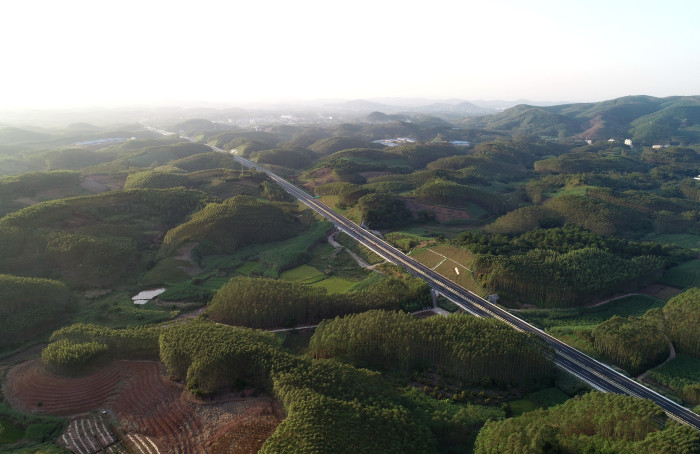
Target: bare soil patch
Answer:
pixel 154 413
pixel 319 177
pixel 442 214
pixel 660 291
pixel 374 173
pixel 186 256
pixel 92 185
pixel 111 182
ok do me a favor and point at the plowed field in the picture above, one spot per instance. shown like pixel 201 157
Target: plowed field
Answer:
pixel 150 413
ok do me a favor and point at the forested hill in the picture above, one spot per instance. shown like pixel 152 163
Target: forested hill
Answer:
pixel 643 119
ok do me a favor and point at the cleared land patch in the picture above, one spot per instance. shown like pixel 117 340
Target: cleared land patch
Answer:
pixel 152 411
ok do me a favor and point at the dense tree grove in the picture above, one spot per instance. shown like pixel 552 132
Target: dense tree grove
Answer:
pixel 237 221
pixel 274 193
pixel 448 192
pixel 382 211
pixel 565 266
pixel 29 306
pixel 634 343
pixel 266 303
pixel 682 321
pixel 552 279
pixel 76 345
pixel 596 422
pixel 466 347
pixel 91 240
pixel 155 180
pixel 28 184
pixel 296 158
pixel 206 161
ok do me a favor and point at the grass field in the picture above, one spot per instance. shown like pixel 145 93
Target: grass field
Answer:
pixel 116 310
pixel 682 371
pixel 548 397
pixel 680 239
pixel 520 406
pixel 590 317
pixel 574 326
pixel 335 285
pixel 426 257
pixel 684 275
pixel 444 260
pixel 246 268
pixel 9 433
pixel 364 253
pixel 304 274
pixel 166 271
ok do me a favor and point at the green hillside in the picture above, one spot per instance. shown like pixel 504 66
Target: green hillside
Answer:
pixel 29 307
pixel 236 222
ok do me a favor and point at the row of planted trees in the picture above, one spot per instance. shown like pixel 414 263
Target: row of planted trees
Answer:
pixel 552 279
pixel 466 347
pixel 267 303
pixel 597 422
pixel 330 406
pixel 640 343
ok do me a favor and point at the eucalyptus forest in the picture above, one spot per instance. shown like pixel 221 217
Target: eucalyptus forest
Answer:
pixel 274 332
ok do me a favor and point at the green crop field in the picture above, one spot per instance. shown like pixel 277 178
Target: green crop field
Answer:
pixel 684 275
pixel 518 407
pixel 426 257
pixel 548 397
pixel 676 374
pixel 215 283
pixel 117 309
pixel 166 271
pixel 461 256
pixel 590 317
pixel 246 268
pixel 335 285
pixel 304 274
pixel 680 239
pixel 9 433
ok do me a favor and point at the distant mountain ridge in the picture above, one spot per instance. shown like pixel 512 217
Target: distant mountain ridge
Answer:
pixel 644 119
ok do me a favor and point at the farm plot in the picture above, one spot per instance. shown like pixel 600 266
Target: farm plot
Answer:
pixel 151 413
pixel 87 435
pixel 30 387
pixel 427 257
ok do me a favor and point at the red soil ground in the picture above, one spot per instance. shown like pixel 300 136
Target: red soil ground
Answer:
pixel 442 214
pixel 147 405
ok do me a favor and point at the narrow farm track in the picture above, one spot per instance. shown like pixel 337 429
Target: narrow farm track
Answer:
pixel 148 410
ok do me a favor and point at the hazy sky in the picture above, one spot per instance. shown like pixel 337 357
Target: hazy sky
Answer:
pixel 106 52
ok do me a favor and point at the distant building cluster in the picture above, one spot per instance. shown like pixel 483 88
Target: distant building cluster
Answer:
pixel 101 141
pixel 395 142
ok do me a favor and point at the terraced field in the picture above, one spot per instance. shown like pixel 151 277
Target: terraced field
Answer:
pixel 90 434
pixel 130 406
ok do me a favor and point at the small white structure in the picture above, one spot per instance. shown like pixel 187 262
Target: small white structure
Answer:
pixel 147 295
pixel 628 142
pixel 657 146
pixel 696 178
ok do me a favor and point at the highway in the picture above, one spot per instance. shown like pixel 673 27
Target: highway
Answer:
pixel 596 374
